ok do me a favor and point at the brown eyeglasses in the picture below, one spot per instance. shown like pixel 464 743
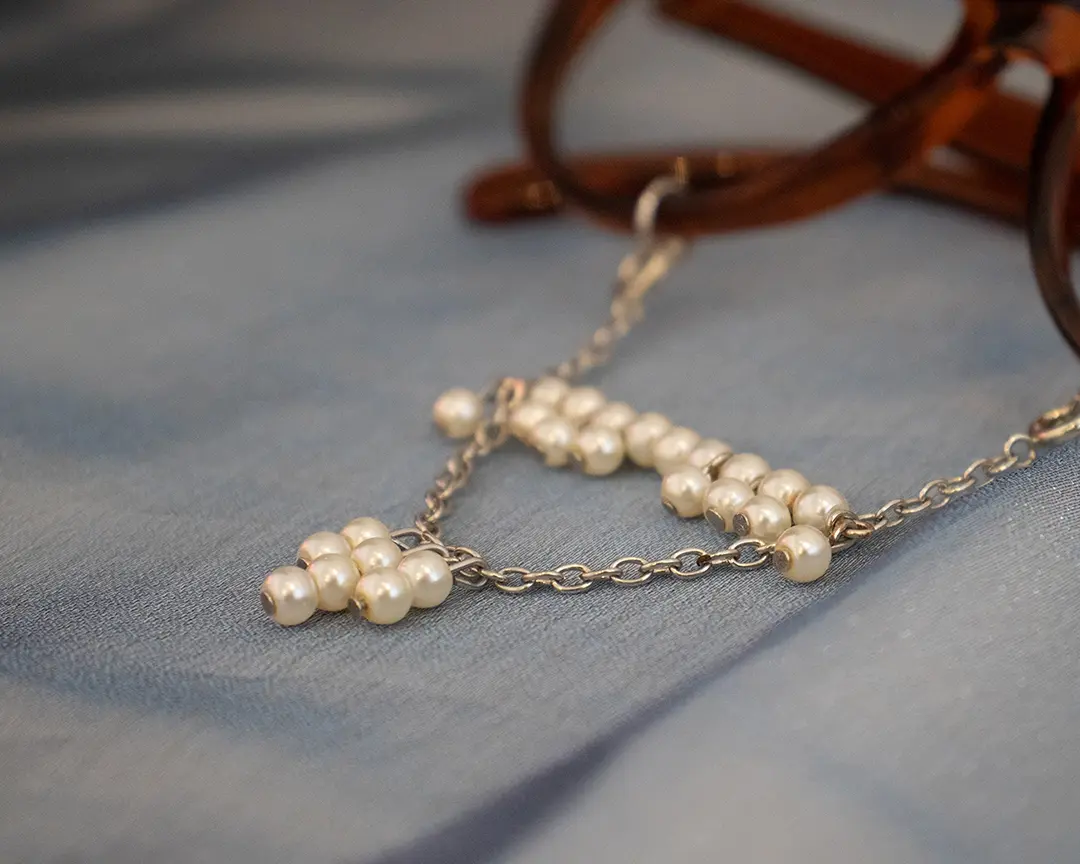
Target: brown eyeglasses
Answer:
pixel 1012 160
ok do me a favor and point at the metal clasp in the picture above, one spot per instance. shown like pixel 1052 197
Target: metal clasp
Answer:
pixel 654 255
pixel 1057 425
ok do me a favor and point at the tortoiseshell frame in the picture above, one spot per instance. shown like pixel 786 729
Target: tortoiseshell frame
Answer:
pixel 1014 161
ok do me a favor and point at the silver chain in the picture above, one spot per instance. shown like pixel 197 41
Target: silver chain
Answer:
pixel 638 272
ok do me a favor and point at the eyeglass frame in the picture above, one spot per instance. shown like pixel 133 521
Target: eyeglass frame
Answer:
pixel 952 102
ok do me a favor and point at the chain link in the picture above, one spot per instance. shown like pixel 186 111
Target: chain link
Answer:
pixel 472 571
pixel 638 272
pixel 1019 452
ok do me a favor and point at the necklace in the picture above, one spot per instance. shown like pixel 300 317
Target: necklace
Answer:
pixel 777 517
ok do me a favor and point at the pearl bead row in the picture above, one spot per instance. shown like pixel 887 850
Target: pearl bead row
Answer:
pixel 736 492
pixel 360 568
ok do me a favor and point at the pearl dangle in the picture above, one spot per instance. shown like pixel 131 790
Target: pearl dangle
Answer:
pixel 739 493
pixel 360 568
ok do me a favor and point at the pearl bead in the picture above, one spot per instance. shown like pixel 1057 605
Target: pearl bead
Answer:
pixel 429 577
pixel 526 417
pixel 335 578
pixel 600 450
pixel 683 492
pixel 289 595
pixel 322 543
pixel 723 499
pixel 803 554
pixel 641 436
pixel 614 415
pixel 671 452
pixel 458 412
pixel 762 517
pixel 748 467
pixel 376 553
pixel 554 438
pixel 707 452
pixel 784 485
pixel 364 528
pixel 383 596
pixel 581 403
pixel 549 391
pixel 815 506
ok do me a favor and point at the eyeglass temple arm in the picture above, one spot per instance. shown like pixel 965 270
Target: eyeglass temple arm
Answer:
pixel 1048 221
pixel 1002 130
pixel 520 191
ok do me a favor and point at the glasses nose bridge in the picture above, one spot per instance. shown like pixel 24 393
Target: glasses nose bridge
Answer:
pixel 1044 31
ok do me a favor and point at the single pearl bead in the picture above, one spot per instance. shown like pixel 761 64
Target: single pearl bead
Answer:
pixel 458 412
pixel 641 436
pixel 614 415
pixel 748 467
pixel 762 517
pixel 549 391
pixel 554 438
pixel 581 403
pixel 803 554
pixel 335 578
pixel 364 528
pixel 671 452
pixel 429 576
pixel 383 596
pixel 322 543
pixel 784 485
pixel 375 554
pixel 815 506
pixel 723 499
pixel 600 450
pixel 289 595
pixel 708 452
pixel 684 491
pixel 526 417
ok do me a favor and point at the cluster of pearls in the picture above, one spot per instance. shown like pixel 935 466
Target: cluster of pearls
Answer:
pixel 738 493
pixel 573 425
pixel 750 499
pixel 359 567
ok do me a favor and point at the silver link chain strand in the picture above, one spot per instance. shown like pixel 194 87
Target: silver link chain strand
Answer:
pixel 638 272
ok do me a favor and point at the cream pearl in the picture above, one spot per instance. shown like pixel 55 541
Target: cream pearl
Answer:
pixel 671 452
pixel 429 577
pixel 289 595
pixel 554 438
pixel 458 412
pixel 748 467
pixel 581 403
pixel 723 499
pixel 762 517
pixel 803 554
pixel 684 491
pixel 335 578
pixel 526 417
pixel 383 596
pixel 549 391
pixel 599 450
pixel 641 436
pixel 814 506
pixel 364 528
pixel 614 415
pixel 708 452
pixel 784 485
pixel 376 553
pixel 322 543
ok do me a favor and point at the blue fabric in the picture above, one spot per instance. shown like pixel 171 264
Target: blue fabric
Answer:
pixel 192 387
